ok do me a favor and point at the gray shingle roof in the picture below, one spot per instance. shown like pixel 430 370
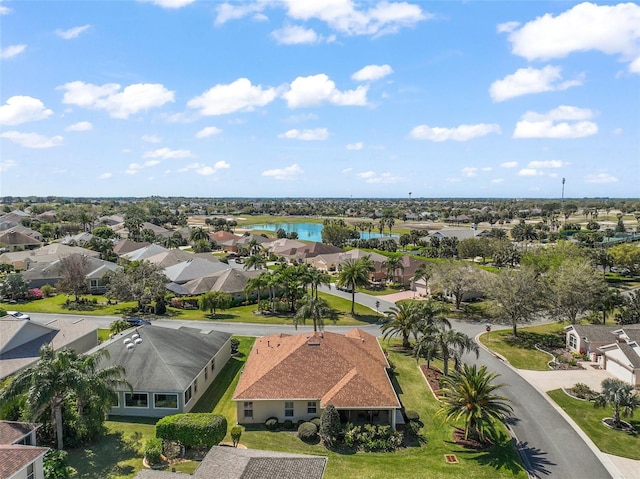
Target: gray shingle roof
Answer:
pixel 193 269
pixel 596 333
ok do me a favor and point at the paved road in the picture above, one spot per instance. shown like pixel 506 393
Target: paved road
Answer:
pixel 550 446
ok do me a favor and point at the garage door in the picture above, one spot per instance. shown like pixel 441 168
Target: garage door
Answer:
pixel 618 371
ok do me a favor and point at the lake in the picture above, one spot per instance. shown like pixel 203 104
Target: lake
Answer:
pixel 306 231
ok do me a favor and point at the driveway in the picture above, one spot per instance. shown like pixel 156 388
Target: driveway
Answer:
pixel 550 380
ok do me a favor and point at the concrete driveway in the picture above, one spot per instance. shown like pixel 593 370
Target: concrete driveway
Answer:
pixel 550 380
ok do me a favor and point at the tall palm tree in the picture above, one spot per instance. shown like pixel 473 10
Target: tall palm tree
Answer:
pixel 451 344
pixel 620 396
pixel 424 271
pixel 469 395
pixel 402 320
pixel 318 278
pixel 316 309
pixel 430 322
pixel 354 274
pixel 198 234
pixel 254 261
pixel 393 264
pixel 257 283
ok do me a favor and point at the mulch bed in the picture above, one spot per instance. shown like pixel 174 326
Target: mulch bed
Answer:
pixel 432 376
pixel 458 437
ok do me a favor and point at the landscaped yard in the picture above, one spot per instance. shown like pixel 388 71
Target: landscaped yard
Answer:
pixel 521 353
pixel 589 419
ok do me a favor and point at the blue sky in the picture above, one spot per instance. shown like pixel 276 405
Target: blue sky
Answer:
pixel 336 98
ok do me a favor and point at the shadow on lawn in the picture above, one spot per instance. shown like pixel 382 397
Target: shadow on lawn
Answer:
pixel 500 456
pixel 218 388
pixel 102 459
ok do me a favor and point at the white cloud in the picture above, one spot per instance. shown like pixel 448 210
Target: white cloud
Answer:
pixel 169 3
pixel 347 170
pixel 469 171
pixel 509 164
pixel 151 138
pixel 21 109
pixel 240 95
pixel 208 131
pixel 5 10
pixel 228 11
pixel 460 133
pixel 203 169
pixel 119 104
pixel 166 154
pixel 600 178
pixel 221 165
pixel 507 27
pixel 610 29
pixel 315 90
pixel 307 135
pixel 355 146
pixel 12 51
pixel 372 72
pixel 105 176
pixel 7 165
pixel 547 164
pixel 135 167
pixel 551 124
pixel 288 173
pixel 563 112
pixel 295 35
pixel 72 32
pixel 530 80
pixel 382 178
pixel 80 126
pixel 529 172
pixel 32 140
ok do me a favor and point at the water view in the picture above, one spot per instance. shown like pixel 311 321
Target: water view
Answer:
pixel 308 231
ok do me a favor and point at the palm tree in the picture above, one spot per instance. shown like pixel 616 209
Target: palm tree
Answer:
pixel 316 309
pixel 354 274
pixel 118 326
pixel 198 234
pixel 254 261
pixel 258 283
pixel 170 242
pixel 469 395
pixel 318 278
pixel 620 396
pixel 424 271
pixel 401 320
pixel 393 264
pixel 451 344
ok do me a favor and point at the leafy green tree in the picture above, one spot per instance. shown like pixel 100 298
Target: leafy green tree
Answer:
pixel 258 283
pixel 630 311
pixel 469 395
pixel 73 275
pixel 118 326
pixel 458 279
pixel 620 396
pixel 139 281
pixel 354 274
pixel 14 287
pixel 626 256
pixel 214 300
pixel 329 425
pixel 337 233
pixel 198 234
pixel 316 309
pixel 255 261
pixel 55 465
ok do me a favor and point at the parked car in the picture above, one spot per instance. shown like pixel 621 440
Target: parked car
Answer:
pixel 136 321
pixel 19 315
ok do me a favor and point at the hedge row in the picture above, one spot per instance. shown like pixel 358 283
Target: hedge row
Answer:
pixel 192 429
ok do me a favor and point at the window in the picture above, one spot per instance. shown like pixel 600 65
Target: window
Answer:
pixel 136 400
pixel 187 395
pixel 165 401
pixel 248 409
pixel 195 386
pixel 573 341
pixel 94 283
pixel 312 407
pixel 30 472
pixel 288 409
pixel 213 364
pixel 206 374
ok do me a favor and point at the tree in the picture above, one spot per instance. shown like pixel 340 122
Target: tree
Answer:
pixel 14 287
pixel 317 278
pixel 458 279
pixel 392 265
pixel 517 296
pixel 73 272
pixel 139 281
pixel 424 271
pixel 118 326
pixel 630 311
pixel 620 396
pixel 316 309
pixel 469 395
pixel 451 344
pixel 55 465
pixel 329 425
pixel 572 288
pixel 401 320
pixel 608 301
pixel 337 233
pixel 626 256
pixel 257 283
pixel 214 300
pixel 255 261
pixel 198 234
pixel 354 274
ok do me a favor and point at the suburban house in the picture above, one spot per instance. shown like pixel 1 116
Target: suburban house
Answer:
pixel 21 340
pixel 296 376
pixel 235 463
pixel 20 458
pixel 300 254
pixel 168 369
pixel 175 256
pixel 232 281
pixel 622 358
pixel 331 262
pixel 22 260
pixel 17 241
pixel 124 246
pixel 220 236
pixel 587 338
pixel 144 253
pixel 458 233
pixel 242 243
pixel 194 268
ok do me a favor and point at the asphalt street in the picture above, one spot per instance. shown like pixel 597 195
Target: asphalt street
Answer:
pixel 550 447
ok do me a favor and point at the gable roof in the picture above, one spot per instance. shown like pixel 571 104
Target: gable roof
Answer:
pixel 124 246
pixel 13 458
pixel 348 371
pixel 14 431
pixel 167 359
pixel 12 237
pixel 96 269
pixel 194 268
pixel 145 252
pixel 595 333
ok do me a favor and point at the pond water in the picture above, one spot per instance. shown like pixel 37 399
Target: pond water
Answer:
pixel 306 231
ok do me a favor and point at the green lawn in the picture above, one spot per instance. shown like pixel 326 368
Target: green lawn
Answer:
pixel 522 357
pixel 589 419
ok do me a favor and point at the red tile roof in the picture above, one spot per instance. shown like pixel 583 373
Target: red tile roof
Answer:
pixel 348 371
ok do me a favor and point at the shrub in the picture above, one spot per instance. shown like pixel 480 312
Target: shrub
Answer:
pixel 236 433
pixel 47 290
pixel 55 465
pixel 329 425
pixel 271 424
pixel 316 421
pixel 307 431
pixel 412 416
pixel 234 345
pixel 373 438
pixel 288 424
pixel 414 428
pixel 583 391
pixel 35 293
pixel 203 429
pixel 153 450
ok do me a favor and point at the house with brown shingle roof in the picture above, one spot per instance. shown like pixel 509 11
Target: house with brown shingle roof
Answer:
pixel 16 241
pixel 296 376
pixel 19 456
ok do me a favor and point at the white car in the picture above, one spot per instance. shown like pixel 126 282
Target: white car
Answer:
pixel 19 315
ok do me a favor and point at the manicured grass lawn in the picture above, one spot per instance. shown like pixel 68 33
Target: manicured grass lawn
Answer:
pixel 425 460
pixel 520 357
pixel 589 419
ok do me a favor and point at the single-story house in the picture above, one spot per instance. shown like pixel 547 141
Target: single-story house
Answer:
pixel 235 463
pixel 331 262
pixel 194 268
pixel 22 260
pixel 124 246
pixel 176 256
pixel 296 376
pixel 232 281
pixel 220 236
pixel 144 253
pixel 16 241
pixel 242 243
pixel 168 369
pixel 622 358
pixel 459 233
pixel 20 458
pixel 21 340
pixel 587 338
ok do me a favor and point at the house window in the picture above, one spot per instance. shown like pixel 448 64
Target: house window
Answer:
pixel 288 409
pixel 187 395
pixel 30 472
pixel 94 283
pixel 312 407
pixel 248 409
pixel 136 400
pixel 165 401
pixel 206 374
pixel 195 386
pixel 213 364
pixel 573 341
